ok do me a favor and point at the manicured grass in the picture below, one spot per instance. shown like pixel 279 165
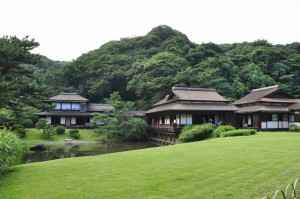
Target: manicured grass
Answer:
pixel 236 167
pixel 35 135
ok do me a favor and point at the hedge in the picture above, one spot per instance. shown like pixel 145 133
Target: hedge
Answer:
pixel 221 129
pixel 239 132
pixel 196 133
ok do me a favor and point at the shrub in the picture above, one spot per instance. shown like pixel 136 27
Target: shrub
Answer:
pixel 294 127
pixel 74 133
pixel 21 132
pixel 16 126
pixel 10 150
pixel 196 133
pixel 27 123
pixel 221 129
pixel 239 132
pixel 60 130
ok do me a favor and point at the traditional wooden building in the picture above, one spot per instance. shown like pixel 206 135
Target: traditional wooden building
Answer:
pixel 268 108
pixel 72 110
pixel 191 106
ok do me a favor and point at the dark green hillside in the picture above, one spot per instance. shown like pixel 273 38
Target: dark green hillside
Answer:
pixel 143 69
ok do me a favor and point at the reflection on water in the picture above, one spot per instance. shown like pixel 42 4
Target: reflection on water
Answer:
pixel 63 151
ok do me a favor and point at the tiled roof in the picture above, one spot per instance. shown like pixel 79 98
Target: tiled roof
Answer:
pixel 92 107
pixel 161 101
pixel 67 97
pixel 135 113
pixel 262 108
pixel 279 100
pixel 256 95
pixel 193 107
pixel 198 94
pixel 295 106
pixel 191 94
pixel 64 113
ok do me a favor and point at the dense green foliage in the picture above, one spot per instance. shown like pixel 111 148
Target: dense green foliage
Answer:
pixel 222 128
pixel 74 133
pixel 238 132
pixel 196 132
pixel 141 70
pixel 134 129
pixel 20 132
pixel 21 89
pixel 10 150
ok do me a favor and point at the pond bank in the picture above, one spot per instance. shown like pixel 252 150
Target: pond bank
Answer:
pixel 61 143
pixel 58 150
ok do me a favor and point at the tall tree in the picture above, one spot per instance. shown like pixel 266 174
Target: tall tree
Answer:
pixel 18 89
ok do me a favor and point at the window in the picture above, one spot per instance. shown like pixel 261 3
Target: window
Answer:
pixel 292 118
pixel 57 106
pixel 285 117
pixel 249 120
pixel 48 118
pixel 73 120
pixel 65 106
pixel 274 117
pixel 62 120
pixel 76 107
pixel 186 119
pixel 244 119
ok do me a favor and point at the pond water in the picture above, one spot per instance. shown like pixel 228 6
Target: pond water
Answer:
pixel 64 151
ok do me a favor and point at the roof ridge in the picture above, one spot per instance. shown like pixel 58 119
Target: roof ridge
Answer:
pixel 63 93
pixel 265 88
pixel 194 89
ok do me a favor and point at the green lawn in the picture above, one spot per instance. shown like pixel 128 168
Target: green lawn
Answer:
pixel 235 167
pixel 34 135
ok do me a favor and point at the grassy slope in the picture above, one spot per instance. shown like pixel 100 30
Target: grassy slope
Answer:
pixel 237 167
pixel 34 135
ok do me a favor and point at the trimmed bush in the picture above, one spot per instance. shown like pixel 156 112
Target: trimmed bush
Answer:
pixel 74 133
pixel 196 133
pixel 10 150
pixel 294 127
pixel 21 132
pixel 239 132
pixel 221 129
pixel 60 130
pixel 27 123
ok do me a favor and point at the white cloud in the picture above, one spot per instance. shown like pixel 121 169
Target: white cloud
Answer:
pixel 68 28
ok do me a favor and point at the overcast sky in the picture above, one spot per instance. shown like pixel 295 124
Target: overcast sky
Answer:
pixel 67 28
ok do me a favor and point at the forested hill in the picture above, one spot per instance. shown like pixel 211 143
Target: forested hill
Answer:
pixel 143 69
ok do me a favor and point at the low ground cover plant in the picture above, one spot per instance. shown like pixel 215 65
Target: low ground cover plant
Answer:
pixel 221 129
pixel 239 132
pixel 74 133
pixel 10 150
pixel 193 133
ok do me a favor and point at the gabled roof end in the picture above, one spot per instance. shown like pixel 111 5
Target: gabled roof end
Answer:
pixel 193 89
pixel 265 88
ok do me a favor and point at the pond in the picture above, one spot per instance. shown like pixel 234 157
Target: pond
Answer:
pixel 65 151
